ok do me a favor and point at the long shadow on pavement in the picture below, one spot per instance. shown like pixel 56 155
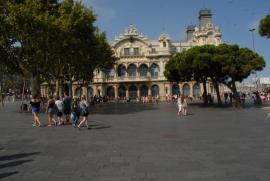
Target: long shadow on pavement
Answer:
pixel 122 108
pixel 13 162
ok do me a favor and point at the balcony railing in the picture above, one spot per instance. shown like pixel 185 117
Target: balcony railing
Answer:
pixel 125 55
pixel 133 78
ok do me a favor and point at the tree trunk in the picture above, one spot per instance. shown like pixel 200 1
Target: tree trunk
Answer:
pixel 35 84
pixel 236 96
pixel 70 89
pixel 205 101
pixel 23 91
pixel 215 83
pixel 57 87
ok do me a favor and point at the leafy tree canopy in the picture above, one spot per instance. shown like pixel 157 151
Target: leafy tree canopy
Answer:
pixel 264 27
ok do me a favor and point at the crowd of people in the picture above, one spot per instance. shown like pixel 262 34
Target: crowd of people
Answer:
pixel 61 112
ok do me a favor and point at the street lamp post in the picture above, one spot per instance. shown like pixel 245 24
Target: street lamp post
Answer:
pixel 252 34
pixel 253 46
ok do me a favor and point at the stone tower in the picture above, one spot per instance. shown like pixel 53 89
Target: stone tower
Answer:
pixel 205 17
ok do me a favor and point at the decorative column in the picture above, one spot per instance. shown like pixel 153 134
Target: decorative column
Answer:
pixel 191 90
pixel 138 92
pixel 116 91
pixel 127 94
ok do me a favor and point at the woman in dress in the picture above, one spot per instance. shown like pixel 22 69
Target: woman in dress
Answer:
pixel 184 105
pixel 35 106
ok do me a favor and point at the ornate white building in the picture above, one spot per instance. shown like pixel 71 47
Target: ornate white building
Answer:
pixel 141 63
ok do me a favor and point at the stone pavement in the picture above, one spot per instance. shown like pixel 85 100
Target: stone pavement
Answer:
pixel 129 142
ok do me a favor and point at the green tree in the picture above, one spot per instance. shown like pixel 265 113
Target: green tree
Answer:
pixel 195 64
pixel 264 27
pixel 237 63
pixel 57 41
pixel 216 63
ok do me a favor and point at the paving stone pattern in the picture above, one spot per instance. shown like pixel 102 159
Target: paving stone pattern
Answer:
pixel 129 142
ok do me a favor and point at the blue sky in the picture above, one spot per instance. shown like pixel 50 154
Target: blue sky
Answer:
pixel 152 17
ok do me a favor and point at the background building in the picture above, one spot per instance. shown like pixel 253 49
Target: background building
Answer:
pixel 141 63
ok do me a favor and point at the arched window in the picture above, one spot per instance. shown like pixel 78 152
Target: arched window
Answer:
pixel 175 89
pixel 143 70
pixel 132 69
pixel 196 90
pixel 164 44
pixel 132 92
pixel 110 73
pixel 154 90
pixel 186 90
pixel 121 71
pixel 144 90
pixel 122 92
pixel 110 92
pixel 154 69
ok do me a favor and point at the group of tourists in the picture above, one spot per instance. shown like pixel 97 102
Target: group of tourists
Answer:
pixel 67 111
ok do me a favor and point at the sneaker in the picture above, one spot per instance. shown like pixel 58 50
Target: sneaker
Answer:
pixel 33 125
pixel 74 125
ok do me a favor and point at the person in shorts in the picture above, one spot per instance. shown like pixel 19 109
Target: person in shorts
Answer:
pixel 51 111
pixel 35 107
pixel 59 105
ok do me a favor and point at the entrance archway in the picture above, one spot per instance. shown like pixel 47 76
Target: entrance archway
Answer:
pixel 196 90
pixel 144 90
pixel 110 92
pixel 122 92
pixel 186 90
pixel 78 92
pixel 155 90
pixel 90 93
pixel 175 89
pixel 132 92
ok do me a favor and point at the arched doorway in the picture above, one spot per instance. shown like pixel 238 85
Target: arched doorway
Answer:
pixel 90 93
pixel 110 92
pixel 122 92
pixel 144 90
pixel 78 92
pixel 175 89
pixel 155 90
pixel 132 92
pixel 186 90
pixel 143 69
pixel 196 90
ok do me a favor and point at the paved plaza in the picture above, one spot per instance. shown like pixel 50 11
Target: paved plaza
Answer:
pixel 130 142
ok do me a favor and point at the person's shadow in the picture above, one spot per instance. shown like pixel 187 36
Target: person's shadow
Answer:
pixel 13 161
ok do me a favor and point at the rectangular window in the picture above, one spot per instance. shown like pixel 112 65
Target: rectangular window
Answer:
pixel 136 51
pixel 126 51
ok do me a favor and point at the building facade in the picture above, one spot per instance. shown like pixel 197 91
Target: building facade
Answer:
pixel 141 63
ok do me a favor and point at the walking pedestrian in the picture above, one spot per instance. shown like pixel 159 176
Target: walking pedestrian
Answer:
pixel 35 107
pixel 67 107
pixel 59 105
pixel 50 110
pixel 184 105
pixel 84 106
pixel 75 111
pixel 179 104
